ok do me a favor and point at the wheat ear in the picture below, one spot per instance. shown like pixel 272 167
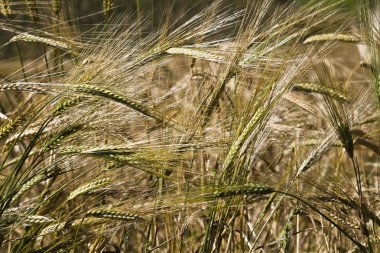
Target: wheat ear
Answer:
pixel 116 215
pixel 88 187
pixel 332 37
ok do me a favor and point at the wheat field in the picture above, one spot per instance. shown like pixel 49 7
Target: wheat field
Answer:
pixel 247 126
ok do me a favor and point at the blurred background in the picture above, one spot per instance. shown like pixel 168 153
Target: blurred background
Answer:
pixel 79 17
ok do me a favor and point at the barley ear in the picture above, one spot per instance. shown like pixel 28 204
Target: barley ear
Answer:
pixel 57 5
pixel 89 187
pixel 107 5
pixel 114 215
pixel 332 37
pixel 246 189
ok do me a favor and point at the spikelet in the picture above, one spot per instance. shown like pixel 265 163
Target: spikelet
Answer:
pixel 89 187
pixel 64 105
pixel 26 186
pixel 5 8
pixel 116 215
pixel 57 5
pixel 332 37
pixel 37 219
pixel 194 53
pixel 33 38
pixel 310 87
pixel 54 142
pixel 246 189
pixel 107 5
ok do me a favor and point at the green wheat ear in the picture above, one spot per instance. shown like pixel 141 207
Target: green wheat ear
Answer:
pixel 89 187
pixel 315 88
pixel 115 215
pixel 246 189
pixel 55 141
